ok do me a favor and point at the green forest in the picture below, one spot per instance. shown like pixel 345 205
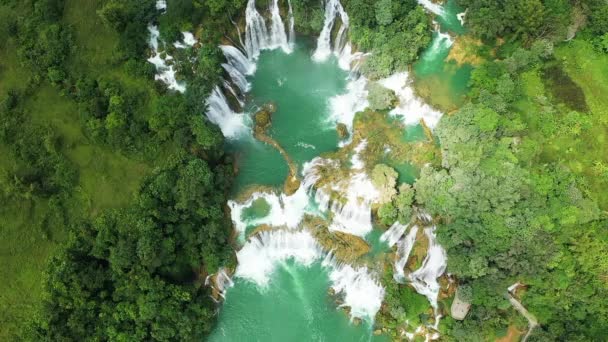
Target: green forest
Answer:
pixel 114 187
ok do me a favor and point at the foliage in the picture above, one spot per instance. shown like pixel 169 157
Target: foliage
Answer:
pixel 379 97
pixel 72 151
pixel 128 275
pixel 522 19
pixel 400 208
pixel 393 31
pixel 497 199
pixel 309 16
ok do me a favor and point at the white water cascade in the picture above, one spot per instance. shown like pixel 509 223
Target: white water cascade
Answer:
pixel 260 256
pixel 238 67
pixel 278 37
pixel 343 107
pixel 231 124
pixel 404 248
pixel 292 24
pixel 257 36
pixel 256 33
pixel 392 235
pixel 432 7
pixel 165 73
pixel 333 9
pixel 424 279
pixel 285 211
pixel 410 107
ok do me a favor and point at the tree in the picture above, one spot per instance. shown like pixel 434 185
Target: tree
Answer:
pixel 384 14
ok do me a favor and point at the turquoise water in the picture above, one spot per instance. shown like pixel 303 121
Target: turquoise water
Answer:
pixel 443 83
pixel 294 307
pixel 300 89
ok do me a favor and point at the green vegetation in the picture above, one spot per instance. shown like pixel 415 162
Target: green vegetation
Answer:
pixel 82 123
pixel 522 164
pixel 395 32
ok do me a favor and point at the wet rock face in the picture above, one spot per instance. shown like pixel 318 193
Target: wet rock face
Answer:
pixel 345 247
pixel 342 131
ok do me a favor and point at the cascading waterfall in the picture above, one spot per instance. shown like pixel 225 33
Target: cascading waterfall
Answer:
pixel 188 40
pixel 404 248
pixel 238 67
pixel 410 107
pixel 256 33
pixel 361 292
pixel 258 38
pixel 424 279
pixel 432 7
pixel 165 73
pixel 222 282
pixel 461 16
pixel 285 211
pixel 333 9
pixel 344 107
pixel 292 24
pixel 278 37
pixel 161 5
pixel 351 210
pixel 392 235
pixel 259 257
pixel 219 112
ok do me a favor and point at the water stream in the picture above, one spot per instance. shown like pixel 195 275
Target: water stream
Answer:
pixel 286 286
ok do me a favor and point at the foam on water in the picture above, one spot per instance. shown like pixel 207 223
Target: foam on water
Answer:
pixel 410 107
pixel 188 40
pixel 344 107
pixel 404 248
pixel 164 72
pixel 424 279
pixel 232 124
pixel 393 234
pixel 333 10
pixel 285 211
pixel 259 257
pixel 432 7
pixel 361 292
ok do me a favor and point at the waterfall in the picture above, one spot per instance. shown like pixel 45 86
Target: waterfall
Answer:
pixel 218 111
pixel 461 16
pixel 161 5
pixel 410 108
pixel 285 211
pixel 404 248
pixel 259 257
pixel 351 210
pixel 333 8
pixel 188 40
pixel 361 292
pixel 424 279
pixel 393 234
pixel 229 87
pixel 222 282
pixel 237 78
pixel 165 73
pixel 238 60
pixel 344 107
pixel 292 23
pixel 258 38
pixel 256 33
pixel 278 37
pixel 432 7
pixel 355 160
